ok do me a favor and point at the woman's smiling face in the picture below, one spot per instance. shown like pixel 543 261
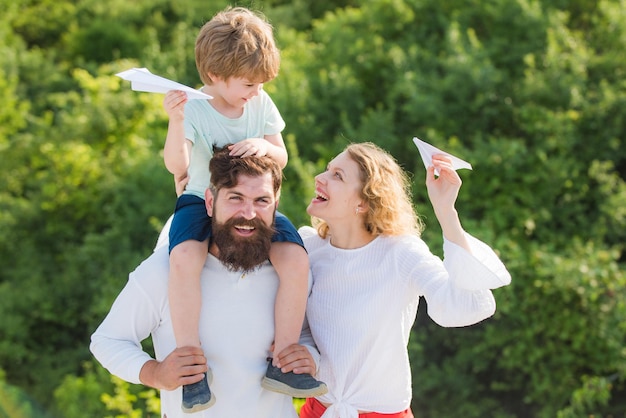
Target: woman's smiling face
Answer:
pixel 338 190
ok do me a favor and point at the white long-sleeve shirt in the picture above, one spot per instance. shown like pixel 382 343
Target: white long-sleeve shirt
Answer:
pixel 236 331
pixel 364 302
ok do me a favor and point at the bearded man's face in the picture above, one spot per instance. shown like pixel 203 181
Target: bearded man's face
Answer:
pixel 242 253
pixel 243 219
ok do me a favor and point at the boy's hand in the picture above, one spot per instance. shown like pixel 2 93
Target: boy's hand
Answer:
pixel 295 358
pixel 248 147
pixel 180 183
pixel 174 104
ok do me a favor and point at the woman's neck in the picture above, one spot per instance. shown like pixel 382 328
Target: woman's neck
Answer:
pixel 349 237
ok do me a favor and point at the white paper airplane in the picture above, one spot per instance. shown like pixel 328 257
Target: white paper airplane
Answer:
pixel 141 79
pixel 427 151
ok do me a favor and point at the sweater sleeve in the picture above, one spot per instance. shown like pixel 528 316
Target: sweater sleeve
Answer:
pixel 482 269
pixel 116 343
pixel 457 289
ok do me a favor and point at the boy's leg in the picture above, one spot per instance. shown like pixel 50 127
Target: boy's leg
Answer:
pixel 292 266
pixel 184 291
pixel 291 262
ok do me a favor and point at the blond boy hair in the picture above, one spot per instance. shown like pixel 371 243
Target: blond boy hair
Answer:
pixel 237 43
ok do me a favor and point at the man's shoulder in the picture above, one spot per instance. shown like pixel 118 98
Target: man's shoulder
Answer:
pixel 154 269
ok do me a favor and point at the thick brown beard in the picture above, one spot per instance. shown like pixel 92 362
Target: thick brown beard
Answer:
pixel 239 253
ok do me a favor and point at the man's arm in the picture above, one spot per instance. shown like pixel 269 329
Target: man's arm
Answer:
pixel 135 313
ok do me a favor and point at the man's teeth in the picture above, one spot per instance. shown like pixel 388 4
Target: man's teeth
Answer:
pixel 244 227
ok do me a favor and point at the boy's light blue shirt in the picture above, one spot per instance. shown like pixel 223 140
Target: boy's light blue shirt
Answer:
pixel 205 127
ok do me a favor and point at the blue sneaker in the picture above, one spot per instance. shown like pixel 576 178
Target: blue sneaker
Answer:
pixel 197 396
pixel 292 384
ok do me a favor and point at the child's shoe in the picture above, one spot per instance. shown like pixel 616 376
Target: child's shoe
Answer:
pixel 197 396
pixel 292 384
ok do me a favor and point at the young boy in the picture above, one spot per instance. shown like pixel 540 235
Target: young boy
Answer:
pixel 235 54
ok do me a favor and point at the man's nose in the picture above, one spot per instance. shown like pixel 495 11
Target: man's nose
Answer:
pixel 248 211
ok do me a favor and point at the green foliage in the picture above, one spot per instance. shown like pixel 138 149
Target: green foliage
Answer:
pixel 104 41
pixel 531 92
pixel 75 396
pixel 124 403
pixel 74 223
pixel 15 404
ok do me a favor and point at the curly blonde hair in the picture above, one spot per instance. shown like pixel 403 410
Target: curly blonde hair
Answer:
pixel 386 190
pixel 237 42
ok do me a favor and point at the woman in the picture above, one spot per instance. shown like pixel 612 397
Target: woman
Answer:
pixel 369 269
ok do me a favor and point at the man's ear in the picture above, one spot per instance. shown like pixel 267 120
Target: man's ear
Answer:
pixel 208 201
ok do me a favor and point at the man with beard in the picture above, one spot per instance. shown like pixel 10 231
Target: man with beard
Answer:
pixel 237 320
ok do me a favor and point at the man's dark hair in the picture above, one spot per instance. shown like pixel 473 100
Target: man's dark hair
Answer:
pixel 225 169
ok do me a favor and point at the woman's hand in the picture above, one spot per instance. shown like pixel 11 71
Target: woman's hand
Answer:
pixel 443 190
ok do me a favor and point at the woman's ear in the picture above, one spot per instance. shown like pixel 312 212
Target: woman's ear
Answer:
pixel 361 208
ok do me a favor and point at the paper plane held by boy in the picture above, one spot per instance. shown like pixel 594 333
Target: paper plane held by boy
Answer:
pixel 141 79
